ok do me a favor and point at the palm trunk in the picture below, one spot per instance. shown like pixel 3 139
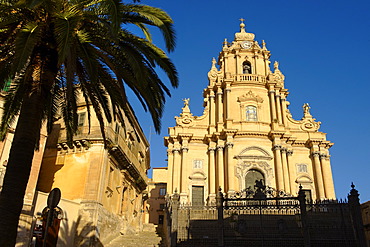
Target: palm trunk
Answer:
pixel 19 166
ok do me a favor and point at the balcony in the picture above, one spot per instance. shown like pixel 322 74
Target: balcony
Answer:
pixel 259 79
pixel 126 155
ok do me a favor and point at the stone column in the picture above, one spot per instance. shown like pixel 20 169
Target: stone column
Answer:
pixel 225 63
pixel 237 63
pixel 219 109
pixel 318 173
pixel 176 169
pixel 285 170
pixel 212 109
pixel 230 168
pixel 184 170
pixel 283 109
pixel 220 167
pixel 272 105
pixel 289 154
pixel 327 176
pixel 212 170
pixel 278 107
pixel 266 63
pixel 278 168
pixel 227 105
pixel 170 169
pixel 254 68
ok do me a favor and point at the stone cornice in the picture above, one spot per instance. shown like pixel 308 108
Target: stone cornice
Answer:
pixel 276 134
pixel 185 136
pixel 244 133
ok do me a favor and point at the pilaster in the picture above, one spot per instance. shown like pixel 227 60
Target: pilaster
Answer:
pixel 285 170
pixel 212 168
pixel 219 110
pixel 212 112
pixel 278 107
pixel 272 107
pixel 327 176
pixel 278 167
pixel 230 168
pixel 289 154
pixel 318 173
pixel 220 165
pixel 176 167
pixel 170 169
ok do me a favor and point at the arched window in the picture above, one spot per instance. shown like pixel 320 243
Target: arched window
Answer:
pixel 247 68
pixel 251 113
pixel 252 176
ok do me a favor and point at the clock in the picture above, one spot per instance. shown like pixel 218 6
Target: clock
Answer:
pixel 246 44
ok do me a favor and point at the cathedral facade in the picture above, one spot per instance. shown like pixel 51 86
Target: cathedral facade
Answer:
pixel 246 133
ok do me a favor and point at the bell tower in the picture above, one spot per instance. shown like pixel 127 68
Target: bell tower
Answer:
pixel 246 132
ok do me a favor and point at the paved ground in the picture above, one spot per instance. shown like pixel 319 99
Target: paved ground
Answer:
pixel 148 238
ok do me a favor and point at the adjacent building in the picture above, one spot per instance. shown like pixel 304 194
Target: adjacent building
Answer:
pixel 157 191
pixel 106 177
pixel 246 133
pixel 102 181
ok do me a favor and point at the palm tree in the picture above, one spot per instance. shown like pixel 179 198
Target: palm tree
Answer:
pixel 51 48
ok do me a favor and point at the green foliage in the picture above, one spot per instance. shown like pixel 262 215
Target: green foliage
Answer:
pixel 54 47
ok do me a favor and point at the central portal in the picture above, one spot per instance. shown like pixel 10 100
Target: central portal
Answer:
pixel 197 196
pixel 252 176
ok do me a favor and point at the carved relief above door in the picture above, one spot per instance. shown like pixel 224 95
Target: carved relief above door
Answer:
pixel 254 159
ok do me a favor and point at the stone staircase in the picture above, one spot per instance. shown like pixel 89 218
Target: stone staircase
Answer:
pixel 151 236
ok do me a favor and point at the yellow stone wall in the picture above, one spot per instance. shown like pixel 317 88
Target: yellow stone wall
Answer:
pixel 153 204
pixel 107 181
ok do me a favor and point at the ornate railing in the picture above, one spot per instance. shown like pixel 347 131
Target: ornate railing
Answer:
pixel 250 78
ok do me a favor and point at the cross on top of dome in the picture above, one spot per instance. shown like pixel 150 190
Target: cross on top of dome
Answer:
pixel 243 35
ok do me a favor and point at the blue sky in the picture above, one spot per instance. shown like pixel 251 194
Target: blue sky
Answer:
pixel 323 48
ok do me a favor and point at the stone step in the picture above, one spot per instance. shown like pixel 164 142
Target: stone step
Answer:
pixel 148 238
pixel 149 227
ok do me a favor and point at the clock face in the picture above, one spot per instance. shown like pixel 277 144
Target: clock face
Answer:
pixel 246 44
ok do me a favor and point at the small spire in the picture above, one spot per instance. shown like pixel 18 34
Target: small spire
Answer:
pixel 242 25
pixel 214 63
pixel 306 110
pixel 186 109
pixel 276 65
pixel 186 101
pixel 225 43
pixel 264 45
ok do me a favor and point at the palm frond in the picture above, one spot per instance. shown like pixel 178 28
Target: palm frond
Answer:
pixel 155 17
pixel 25 43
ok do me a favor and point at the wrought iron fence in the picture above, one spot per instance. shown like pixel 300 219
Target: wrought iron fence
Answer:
pixel 265 218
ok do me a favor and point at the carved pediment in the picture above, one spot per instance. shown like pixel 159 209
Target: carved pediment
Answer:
pixel 250 96
pixel 198 175
pixel 255 153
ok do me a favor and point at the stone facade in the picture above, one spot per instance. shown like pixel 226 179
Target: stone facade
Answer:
pixel 157 189
pixel 246 132
pixel 102 181
pixel 107 177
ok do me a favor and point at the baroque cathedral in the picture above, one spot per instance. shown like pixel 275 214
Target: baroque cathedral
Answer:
pixel 246 133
